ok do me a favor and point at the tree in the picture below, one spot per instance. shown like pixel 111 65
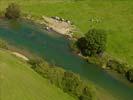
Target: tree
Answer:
pixel 82 45
pixel 12 11
pixel 93 43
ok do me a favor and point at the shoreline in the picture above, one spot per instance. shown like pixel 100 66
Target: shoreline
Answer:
pixel 119 77
pixel 80 55
pixel 19 55
pixel 41 22
pixel 103 66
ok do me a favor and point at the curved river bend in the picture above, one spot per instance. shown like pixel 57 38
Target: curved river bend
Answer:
pixel 54 48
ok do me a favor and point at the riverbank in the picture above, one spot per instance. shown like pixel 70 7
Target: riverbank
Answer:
pixel 119 77
pixel 111 64
pixel 98 90
pixel 56 24
pixel 57 76
pixel 20 56
pixel 107 63
pixel 103 62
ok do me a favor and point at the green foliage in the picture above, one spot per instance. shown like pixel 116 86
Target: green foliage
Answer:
pixel 117 66
pixel 35 62
pixel 130 75
pixel 101 61
pixel 70 82
pixel 12 11
pixel 82 45
pixel 67 81
pixel 85 94
pixel 73 46
pixel 93 43
pixel 3 44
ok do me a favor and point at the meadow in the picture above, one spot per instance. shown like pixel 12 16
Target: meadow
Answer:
pixel 22 83
pixel 114 16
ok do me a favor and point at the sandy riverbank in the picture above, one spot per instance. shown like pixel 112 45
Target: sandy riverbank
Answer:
pixel 61 27
pixel 20 55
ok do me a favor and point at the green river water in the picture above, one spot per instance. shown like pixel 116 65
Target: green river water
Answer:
pixel 55 49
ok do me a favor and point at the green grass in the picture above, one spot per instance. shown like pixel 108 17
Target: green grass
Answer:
pixel 19 82
pixel 116 17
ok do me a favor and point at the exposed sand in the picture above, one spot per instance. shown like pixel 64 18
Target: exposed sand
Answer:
pixel 58 26
pixel 61 27
pixel 20 55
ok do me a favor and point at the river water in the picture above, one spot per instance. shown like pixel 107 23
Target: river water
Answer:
pixel 55 49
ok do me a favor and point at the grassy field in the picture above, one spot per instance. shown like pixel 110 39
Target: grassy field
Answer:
pixel 115 16
pixel 19 82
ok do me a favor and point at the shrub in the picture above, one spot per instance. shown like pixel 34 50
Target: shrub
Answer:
pixel 70 82
pixel 55 75
pixel 35 62
pixel 3 44
pixel 86 94
pixel 12 11
pixel 67 81
pixel 117 66
pixel 130 75
pixel 94 42
pixel 73 46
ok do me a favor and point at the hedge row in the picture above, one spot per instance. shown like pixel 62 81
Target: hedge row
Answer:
pixel 113 64
pixel 121 68
pixel 69 82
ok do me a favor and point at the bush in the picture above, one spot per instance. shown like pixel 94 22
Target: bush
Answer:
pixel 117 66
pixel 85 93
pixel 12 11
pixel 35 62
pixel 3 44
pixel 100 61
pixel 73 46
pixel 130 75
pixel 70 82
pixel 67 81
pixel 94 42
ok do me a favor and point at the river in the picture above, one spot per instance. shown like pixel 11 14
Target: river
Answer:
pixel 55 49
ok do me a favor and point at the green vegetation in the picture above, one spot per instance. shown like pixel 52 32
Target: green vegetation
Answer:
pixel 117 66
pixel 130 75
pixel 94 42
pixel 3 44
pixel 22 83
pixel 12 11
pixel 28 85
pixel 113 16
pixel 67 81
pixel 121 68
